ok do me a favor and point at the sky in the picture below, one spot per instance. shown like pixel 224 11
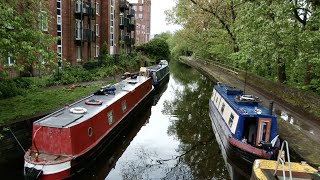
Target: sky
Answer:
pixel 158 18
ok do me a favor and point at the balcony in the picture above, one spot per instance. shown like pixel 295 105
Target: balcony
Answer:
pixel 127 40
pixel 131 13
pixel 124 5
pixel 124 22
pixel 84 9
pixel 88 35
pixel 131 27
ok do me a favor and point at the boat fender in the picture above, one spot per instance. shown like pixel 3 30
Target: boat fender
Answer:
pixel 78 110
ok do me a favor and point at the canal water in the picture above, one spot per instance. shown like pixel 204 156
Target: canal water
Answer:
pixel 172 139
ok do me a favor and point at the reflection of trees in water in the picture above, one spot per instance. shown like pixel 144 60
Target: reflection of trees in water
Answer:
pixel 190 124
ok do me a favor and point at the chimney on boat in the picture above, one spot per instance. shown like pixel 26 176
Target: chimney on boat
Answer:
pixel 270 107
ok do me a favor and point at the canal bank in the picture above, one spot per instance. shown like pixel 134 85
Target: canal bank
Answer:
pixel 296 125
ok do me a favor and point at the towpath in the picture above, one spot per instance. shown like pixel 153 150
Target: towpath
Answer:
pixel 304 143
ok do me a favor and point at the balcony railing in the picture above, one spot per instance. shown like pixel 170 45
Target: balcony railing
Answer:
pixel 127 39
pixel 84 9
pixel 131 13
pixel 131 27
pixel 87 35
pixel 124 5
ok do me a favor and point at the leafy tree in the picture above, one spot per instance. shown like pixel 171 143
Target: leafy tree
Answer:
pixel 21 35
pixel 156 49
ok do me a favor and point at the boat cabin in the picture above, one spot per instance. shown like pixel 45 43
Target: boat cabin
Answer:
pixel 244 115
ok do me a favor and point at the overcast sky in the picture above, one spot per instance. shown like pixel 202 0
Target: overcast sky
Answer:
pixel 158 18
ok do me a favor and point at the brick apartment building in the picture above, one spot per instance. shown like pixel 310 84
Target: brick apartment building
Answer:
pixel 143 17
pixel 83 26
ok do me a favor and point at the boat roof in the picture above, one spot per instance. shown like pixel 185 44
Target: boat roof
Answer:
pixel 230 95
pixel 156 67
pixel 63 118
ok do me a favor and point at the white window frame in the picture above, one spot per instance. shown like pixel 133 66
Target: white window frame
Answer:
pixel 140 8
pixel 78 6
pixel 97 8
pixel 59 49
pixel 59 20
pixel 97 30
pixel 11 61
pixel 96 51
pixel 78 53
pixel 44 21
pixel 78 29
pixel 140 16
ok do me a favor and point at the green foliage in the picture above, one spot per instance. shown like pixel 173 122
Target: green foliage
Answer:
pixel 21 36
pixel 156 49
pixel 281 37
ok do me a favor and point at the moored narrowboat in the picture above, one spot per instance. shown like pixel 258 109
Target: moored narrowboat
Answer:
pixel 246 129
pixel 159 73
pixel 67 138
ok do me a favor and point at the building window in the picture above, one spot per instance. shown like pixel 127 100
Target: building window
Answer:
pixel 97 8
pixel 110 117
pixel 140 8
pixel 96 54
pixel 222 108
pixel 140 16
pixel 78 29
pixel 59 21
pixel 143 26
pixel 97 30
pixel 134 8
pixel 11 61
pixel 124 106
pixel 43 19
pixel 231 120
pixel 59 49
pixel 78 53
pixel 78 6
pixel 121 19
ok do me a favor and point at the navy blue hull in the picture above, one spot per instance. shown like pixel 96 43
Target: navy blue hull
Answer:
pixel 238 158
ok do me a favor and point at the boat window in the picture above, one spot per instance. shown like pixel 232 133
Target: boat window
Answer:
pixel 222 108
pixel 231 120
pixel 110 117
pixel 90 131
pixel 124 106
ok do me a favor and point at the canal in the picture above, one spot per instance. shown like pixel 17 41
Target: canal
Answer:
pixel 172 138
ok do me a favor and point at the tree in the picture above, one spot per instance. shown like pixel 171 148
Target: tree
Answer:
pixel 22 36
pixel 156 49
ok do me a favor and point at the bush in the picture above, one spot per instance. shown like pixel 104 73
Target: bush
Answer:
pixel 9 88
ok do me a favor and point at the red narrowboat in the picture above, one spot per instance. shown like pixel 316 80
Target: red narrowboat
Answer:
pixel 67 138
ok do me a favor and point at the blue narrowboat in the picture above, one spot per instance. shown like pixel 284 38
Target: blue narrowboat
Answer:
pixel 245 128
pixel 159 72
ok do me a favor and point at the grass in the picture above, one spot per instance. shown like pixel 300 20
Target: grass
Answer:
pixel 40 102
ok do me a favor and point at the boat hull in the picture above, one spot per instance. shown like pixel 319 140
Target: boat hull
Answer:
pixel 162 81
pixel 77 164
pixel 235 154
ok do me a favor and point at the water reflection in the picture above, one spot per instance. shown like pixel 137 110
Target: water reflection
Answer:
pixel 178 142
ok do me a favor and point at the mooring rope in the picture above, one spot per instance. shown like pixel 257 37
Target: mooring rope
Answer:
pixel 17 140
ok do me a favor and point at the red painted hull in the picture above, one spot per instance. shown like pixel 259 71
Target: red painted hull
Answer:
pixel 70 146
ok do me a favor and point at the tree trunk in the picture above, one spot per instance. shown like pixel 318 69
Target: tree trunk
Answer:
pixel 308 74
pixel 281 73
